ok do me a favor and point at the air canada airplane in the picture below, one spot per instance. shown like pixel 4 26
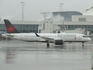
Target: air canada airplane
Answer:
pixel 56 38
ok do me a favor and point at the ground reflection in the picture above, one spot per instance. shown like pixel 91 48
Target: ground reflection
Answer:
pixel 22 56
pixel 10 54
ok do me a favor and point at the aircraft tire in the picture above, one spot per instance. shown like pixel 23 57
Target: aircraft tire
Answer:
pixel 47 45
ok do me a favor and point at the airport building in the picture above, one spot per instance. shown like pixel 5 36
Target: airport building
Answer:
pixel 55 21
pixel 25 26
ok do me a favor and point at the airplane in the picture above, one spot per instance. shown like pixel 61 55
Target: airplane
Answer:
pixel 56 38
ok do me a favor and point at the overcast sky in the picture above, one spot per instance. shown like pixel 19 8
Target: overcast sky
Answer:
pixel 12 9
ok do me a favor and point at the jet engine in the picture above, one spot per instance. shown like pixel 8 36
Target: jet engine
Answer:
pixel 59 42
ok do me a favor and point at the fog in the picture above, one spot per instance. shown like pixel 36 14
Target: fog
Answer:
pixel 12 9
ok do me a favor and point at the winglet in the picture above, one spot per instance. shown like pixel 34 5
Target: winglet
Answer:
pixel 37 35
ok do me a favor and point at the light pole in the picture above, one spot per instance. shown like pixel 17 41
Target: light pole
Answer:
pixel 61 6
pixel 63 27
pixel 22 10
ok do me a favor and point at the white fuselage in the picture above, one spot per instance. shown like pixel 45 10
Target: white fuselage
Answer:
pixel 66 37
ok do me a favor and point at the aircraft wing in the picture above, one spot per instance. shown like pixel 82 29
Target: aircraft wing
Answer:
pixel 46 38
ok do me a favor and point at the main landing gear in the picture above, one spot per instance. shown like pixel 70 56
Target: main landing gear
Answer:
pixel 48 45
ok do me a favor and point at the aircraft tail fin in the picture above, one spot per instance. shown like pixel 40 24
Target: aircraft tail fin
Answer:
pixel 9 27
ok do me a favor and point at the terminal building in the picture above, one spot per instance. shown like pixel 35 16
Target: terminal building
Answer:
pixel 67 20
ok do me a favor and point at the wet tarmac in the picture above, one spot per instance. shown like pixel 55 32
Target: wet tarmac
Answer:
pixel 18 55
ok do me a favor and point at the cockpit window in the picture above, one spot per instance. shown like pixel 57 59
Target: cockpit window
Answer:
pixel 85 36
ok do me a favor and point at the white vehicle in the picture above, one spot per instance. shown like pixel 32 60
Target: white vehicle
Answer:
pixel 56 38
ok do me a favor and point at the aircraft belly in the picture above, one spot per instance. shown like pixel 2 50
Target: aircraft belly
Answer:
pixel 72 39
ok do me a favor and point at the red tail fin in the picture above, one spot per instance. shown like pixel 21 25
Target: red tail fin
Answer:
pixel 9 27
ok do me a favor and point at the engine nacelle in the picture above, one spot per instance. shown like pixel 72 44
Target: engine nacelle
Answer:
pixel 59 42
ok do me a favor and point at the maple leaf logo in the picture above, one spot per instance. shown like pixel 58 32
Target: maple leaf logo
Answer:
pixel 10 28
